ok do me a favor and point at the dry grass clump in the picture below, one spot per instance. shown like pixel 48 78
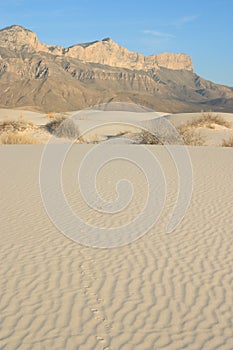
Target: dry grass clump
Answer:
pixel 228 143
pixel 14 132
pixel 161 132
pixel 15 138
pixel 187 137
pixel 208 119
pixel 63 127
pixel 191 137
pixel 15 126
pixel 147 138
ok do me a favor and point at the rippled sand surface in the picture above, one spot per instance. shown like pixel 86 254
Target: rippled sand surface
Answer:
pixel 164 291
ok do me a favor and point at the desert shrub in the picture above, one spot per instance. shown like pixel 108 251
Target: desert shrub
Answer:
pixel 164 133
pixel 228 143
pixel 147 138
pixel 15 126
pixel 15 138
pixel 68 129
pixel 189 133
pixel 63 127
pixel 208 119
pixel 53 125
pixel 191 137
pixel 160 133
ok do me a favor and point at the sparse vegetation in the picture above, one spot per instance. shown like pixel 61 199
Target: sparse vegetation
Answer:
pixel 63 127
pixel 208 120
pixel 147 138
pixel 191 137
pixel 15 126
pixel 54 124
pixel 16 132
pixel 228 143
pixel 15 138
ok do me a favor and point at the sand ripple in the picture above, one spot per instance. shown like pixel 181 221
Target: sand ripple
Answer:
pixel 161 292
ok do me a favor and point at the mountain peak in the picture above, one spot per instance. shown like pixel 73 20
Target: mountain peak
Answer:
pixel 107 39
pixel 15 27
pixel 18 38
pixel 107 52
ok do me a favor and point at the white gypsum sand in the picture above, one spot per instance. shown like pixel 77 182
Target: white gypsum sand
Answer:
pixel 163 291
pixel 99 125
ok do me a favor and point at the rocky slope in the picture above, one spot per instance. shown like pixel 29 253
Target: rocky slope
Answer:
pixel 52 78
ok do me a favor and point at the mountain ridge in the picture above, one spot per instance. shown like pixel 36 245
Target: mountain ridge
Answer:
pixel 52 78
pixel 104 51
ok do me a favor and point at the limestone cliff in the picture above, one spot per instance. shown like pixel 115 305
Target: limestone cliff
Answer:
pixel 105 52
pixel 52 78
pixel 109 53
pixel 17 38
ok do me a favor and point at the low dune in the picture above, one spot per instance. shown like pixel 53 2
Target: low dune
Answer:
pixel 96 125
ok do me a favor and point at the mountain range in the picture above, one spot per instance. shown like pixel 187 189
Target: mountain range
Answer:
pixel 52 78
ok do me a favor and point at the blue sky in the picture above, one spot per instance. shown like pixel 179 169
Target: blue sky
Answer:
pixel 202 29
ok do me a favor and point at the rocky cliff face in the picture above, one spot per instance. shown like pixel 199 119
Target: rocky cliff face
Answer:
pixel 52 78
pixel 105 52
pixel 17 38
pixel 109 53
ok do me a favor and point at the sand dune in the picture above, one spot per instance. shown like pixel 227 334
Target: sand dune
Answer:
pixel 163 291
pixel 15 114
pixel 98 125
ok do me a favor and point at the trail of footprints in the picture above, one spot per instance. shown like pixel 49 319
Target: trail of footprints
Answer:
pixel 167 292
pixel 95 304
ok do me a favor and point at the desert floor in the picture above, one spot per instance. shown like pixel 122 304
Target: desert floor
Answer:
pixel 163 291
